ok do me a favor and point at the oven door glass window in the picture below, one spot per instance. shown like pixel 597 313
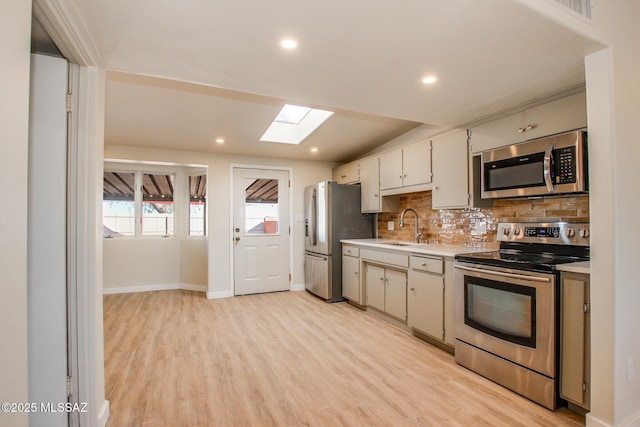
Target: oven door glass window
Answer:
pixel 503 310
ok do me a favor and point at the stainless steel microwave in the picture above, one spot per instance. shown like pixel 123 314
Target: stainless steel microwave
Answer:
pixel 551 165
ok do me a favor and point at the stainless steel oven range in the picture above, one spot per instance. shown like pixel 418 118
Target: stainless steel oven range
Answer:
pixel 507 306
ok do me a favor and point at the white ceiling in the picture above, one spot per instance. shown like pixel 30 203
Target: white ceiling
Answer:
pixel 363 58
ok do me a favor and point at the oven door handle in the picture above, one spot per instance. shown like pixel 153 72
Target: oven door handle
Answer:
pixel 547 166
pixel 509 275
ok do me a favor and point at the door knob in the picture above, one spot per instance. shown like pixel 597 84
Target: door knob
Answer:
pixel 237 229
pixel 237 239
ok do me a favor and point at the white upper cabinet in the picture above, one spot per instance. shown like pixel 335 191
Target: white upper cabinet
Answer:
pixel 553 117
pixel 370 185
pixel 347 174
pixel 407 166
pixel 371 199
pixel 391 169
pixel 450 171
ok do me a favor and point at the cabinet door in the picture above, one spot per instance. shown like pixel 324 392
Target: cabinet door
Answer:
pixel 374 279
pixel 391 169
pixel 558 116
pixel 396 294
pixel 497 133
pixel 450 171
pixel 351 278
pixel 347 174
pixel 425 303
pixel 370 185
pixel 449 302
pixel 575 366
pixel 416 163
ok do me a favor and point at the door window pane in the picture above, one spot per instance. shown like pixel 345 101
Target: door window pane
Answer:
pixel 157 205
pixel 118 205
pixel 261 208
pixel 197 205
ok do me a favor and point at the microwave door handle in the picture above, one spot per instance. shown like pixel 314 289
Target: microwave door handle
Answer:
pixel 547 166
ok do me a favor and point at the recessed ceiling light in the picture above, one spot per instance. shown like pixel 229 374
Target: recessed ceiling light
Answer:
pixel 314 150
pixel 220 141
pixel 429 80
pixel 289 43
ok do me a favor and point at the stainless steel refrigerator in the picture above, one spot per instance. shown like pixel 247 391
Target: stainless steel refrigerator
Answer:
pixel 332 213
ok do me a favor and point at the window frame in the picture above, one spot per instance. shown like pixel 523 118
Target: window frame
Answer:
pixel 181 195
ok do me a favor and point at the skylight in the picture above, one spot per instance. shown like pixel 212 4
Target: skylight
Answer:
pixel 292 114
pixel 295 123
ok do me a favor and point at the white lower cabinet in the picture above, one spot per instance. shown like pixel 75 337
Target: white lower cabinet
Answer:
pixel 425 303
pixel 387 290
pixel 430 302
pixel 413 288
pixel 351 289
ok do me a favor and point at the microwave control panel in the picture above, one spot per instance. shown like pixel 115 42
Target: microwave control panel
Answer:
pixel 565 165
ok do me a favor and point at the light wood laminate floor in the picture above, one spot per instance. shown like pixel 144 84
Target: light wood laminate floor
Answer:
pixel 174 358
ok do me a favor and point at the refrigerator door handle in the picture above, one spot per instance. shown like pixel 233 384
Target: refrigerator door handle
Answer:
pixel 321 258
pixel 314 218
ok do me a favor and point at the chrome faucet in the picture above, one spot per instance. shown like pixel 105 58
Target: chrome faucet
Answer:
pixel 418 234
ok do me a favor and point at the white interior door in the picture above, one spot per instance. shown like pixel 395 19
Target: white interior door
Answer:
pixel 46 269
pixel 261 230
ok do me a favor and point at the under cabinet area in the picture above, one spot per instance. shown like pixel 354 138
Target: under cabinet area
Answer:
pixel 575 341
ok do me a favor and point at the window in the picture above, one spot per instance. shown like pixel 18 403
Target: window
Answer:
pixel 261 208
pixel 157 205
pixel 159 201
pixel 197 205
pixel 119 218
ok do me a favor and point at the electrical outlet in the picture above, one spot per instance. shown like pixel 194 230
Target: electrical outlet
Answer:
pixel 479 228
pixel 390 225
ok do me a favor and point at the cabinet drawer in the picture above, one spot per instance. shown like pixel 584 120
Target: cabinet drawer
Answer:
pixel 351 251
pixel 432 265
pixel 390 258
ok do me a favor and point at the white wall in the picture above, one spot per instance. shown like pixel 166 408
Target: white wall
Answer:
pixel 15 33
pixel 219 199
pixel 613 96
pixel 140 264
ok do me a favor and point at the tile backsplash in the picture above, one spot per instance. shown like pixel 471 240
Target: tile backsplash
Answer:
pixel 467 226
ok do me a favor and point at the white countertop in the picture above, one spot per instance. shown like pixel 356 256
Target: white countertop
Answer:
pixel 583 267
pixel 436 249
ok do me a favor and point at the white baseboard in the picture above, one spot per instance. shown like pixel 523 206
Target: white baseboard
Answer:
pixel 103 416
pixel 150 288
pixel 298 287
pixel 632 421
pixel 219 294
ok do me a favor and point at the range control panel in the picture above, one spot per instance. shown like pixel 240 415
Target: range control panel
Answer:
pixel 557 233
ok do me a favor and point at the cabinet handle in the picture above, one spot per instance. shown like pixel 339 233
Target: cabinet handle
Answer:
pixel 355 272
pixel 423 264
pixel 375 195
pixel 435 188
pixel 527 127
pixel 412 289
